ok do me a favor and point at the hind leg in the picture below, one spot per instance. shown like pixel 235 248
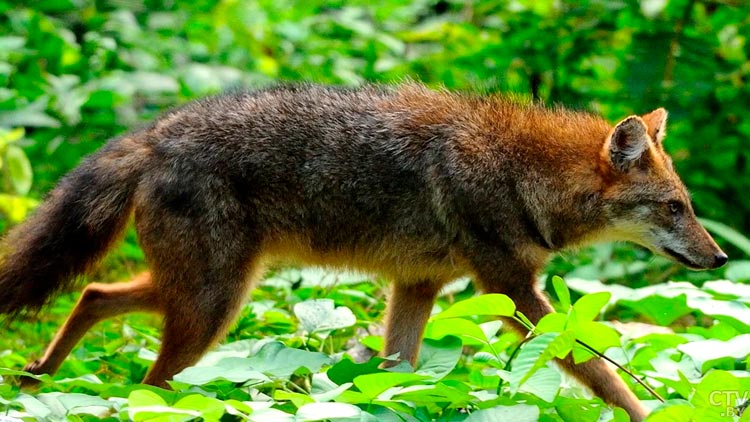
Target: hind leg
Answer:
pixel 195 319
pixel 97 302
pixel 201 244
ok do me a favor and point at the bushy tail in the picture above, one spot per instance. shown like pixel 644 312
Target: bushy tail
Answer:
pixel 71 230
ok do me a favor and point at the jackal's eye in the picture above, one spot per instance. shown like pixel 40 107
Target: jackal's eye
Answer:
pixel 675 207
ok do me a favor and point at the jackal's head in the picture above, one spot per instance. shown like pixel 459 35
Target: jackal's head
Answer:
pixel 644 199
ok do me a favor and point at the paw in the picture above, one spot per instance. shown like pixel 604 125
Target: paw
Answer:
pixel 36 368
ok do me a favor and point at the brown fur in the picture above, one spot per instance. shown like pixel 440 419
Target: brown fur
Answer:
pixel 420 186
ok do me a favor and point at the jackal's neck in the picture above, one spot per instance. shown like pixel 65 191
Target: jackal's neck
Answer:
pixel 536 166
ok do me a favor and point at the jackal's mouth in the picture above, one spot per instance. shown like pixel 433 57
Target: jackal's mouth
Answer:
pixel 682 259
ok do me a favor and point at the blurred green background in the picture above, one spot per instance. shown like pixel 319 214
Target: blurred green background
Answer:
pixel 74 73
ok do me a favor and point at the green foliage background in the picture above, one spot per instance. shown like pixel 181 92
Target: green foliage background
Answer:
pixel 74 73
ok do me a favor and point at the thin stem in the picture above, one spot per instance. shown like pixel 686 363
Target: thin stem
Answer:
pixel 512 356
pixel 623 369
pixel 292 386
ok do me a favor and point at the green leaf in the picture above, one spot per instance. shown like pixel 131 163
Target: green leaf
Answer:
pixel 589 306
pixel 673 411
pixel 552 323
pixel 277 360
pixel 9 43
pixel 725 310
pixel 162 414
pixel 536 353
pixel 372 385
pixel 718 389
pixel 19 169
pixel 714 400
pixel 579 410
pixel 17 372
pixel 298 399
pixel 597 335
pixel 562 292
pixel 328 411
pixel 145 405
pixel 727 289
pixel 153 82
pixel 143 398
pixel 490 304
pixel 525 321
pixel 272 360
pixel 454 396
pixel 236 407
pixel 73 402
pixel 620 415
pixel 738 271
pixel 329 392
pixel 652 8
pixel 33 115
pixel 376 343
pixel 662 310
pixel 545 384
pixel 210 409
pixel 486 357
pixel 469 331
pixel 705 351
pixel 320 316
pixel 237 370
pixel 516 413
pixel 33 406
pixel 346 370
pixel 437 358
pixel 10 136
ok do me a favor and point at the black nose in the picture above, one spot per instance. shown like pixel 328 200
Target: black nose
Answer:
pixel 720 259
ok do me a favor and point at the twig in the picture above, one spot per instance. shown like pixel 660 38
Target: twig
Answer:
pixel 512 356
pixel 623 369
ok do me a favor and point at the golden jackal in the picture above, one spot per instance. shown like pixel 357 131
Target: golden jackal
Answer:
pixel 417 185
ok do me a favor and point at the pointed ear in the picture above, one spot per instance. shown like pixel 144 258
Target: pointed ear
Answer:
pixel 656 122
pixel 628 143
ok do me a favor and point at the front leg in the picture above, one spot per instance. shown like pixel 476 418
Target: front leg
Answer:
pixel 516 279
pixel 409 308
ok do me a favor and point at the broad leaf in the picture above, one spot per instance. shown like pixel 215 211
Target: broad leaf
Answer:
pixel 320 316
pixel 561 289
pixel 469 331
pixel 19 169
pixel 437 358
pixel 516 413
pixel 589 306
pixel 328 411
pixel 705 351
pixel 596 335
pixel 372 385
pixel 536 353
pixel 489 304
pixel 346 370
